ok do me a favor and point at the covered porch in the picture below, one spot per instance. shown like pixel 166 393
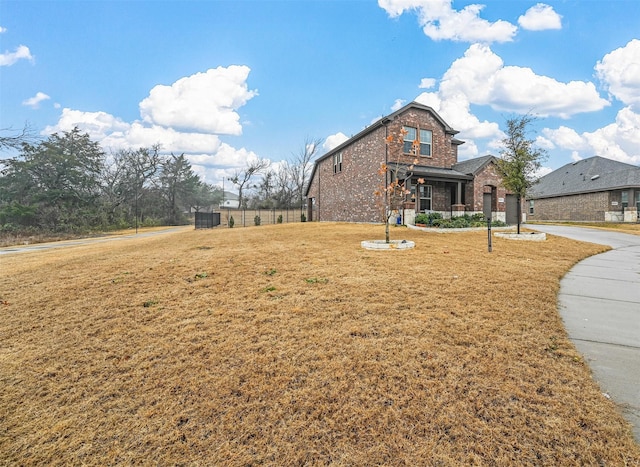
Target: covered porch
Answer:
pixel 434 189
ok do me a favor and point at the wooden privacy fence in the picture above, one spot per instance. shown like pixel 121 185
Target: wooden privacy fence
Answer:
pixel 247 217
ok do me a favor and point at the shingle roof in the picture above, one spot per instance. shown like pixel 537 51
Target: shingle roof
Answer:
pixel 384 120
pixel 437 173
pixel 381 122
pixel 471 166
pixel 587 175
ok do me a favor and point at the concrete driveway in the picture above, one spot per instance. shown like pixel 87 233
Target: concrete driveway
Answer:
pixel 599 302
pixel 85 241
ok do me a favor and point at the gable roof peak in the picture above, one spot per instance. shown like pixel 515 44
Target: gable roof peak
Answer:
pixel 416 105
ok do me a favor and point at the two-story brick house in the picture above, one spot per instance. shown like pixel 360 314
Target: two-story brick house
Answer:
pixel 425 148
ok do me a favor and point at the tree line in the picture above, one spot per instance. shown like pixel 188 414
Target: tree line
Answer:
pixel 68 183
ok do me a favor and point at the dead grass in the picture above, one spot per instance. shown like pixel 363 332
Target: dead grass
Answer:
pixel 291 345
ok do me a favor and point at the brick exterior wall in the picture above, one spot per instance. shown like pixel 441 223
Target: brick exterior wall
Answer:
pixel 443 153
pixel 348 196
pixel 587 207
pixel 487 177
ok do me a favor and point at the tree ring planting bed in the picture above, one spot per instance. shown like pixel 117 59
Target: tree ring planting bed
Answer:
pixel 527 236
pixel 383 245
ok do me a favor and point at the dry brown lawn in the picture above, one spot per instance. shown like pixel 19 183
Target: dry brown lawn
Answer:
pixel 291 345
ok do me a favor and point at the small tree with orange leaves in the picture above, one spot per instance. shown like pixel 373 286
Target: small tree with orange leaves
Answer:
pixel 392 191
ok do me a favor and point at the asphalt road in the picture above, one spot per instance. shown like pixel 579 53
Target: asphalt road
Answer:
pixel 599 302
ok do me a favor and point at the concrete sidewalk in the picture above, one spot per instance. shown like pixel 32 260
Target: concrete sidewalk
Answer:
pixel 599 302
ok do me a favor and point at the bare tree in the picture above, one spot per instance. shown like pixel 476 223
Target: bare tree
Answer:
pixel 128 175
pixel 241 178
pixel 14 139
pixel 285 190
pixel 300 169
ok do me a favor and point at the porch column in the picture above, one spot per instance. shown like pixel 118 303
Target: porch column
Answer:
pixel 631 211
pixel 457 208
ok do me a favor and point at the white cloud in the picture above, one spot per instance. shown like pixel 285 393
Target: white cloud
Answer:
pixel 204 102
pixel 209 102
pixel 333 141
pixel 427 83
pixel 34 102
pixel 98 125
pixel 230 156
pixel 565 138
pixel 481 76
pixel 620 72
pixel 441 22
pixel 9 58
pixel 542 171
pixel 619 140
pixel 540 17
pixel 397 105
pixel 2 30
pixel 544 143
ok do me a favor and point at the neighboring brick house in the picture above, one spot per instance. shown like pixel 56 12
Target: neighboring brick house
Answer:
pixel 344 180
pixel 594 189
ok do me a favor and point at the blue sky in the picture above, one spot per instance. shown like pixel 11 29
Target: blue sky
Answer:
pixel 229 81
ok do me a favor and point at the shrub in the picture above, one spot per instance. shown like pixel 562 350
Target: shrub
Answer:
pixel 256 220
pixel 280 219
pixel 231 222
pixel 422 218
pixel 428 218
pixel 303 218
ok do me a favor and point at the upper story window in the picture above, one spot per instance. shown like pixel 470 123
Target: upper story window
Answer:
pixel 337 163
pixel 425 142
pixel 410 136
pixel 413 144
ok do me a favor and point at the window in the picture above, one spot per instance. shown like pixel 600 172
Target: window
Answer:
pixel 530 206
pixel 337 163
pixel 625 199
pixel 411 141
pixel 424 193
pixel 425 143
pixel 409 138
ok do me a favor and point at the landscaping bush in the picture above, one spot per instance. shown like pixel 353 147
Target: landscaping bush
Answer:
pixel 422 218
pixel 428 218
pixel 435 219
